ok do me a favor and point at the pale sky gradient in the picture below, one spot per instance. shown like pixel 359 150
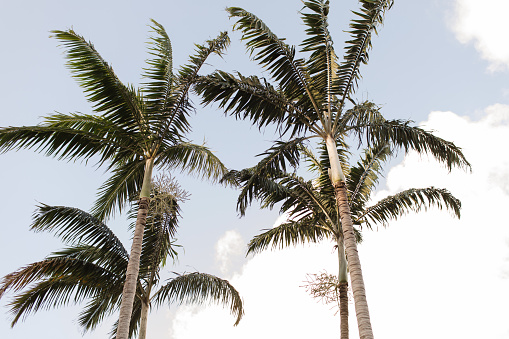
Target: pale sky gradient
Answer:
pixel 441 63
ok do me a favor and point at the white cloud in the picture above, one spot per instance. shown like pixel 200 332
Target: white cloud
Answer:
pixel 429 274
pixel 484 24
pixel 229 246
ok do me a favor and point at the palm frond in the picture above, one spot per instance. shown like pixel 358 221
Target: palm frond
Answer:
pixel 176 116
pixel 363 177
pixel 64 143
pixel 370 15
pixel 278 57
pixel 159 72
pixel 120 188
pixel 103 89
pixel 257 179
pixel 76 226
pixel 198 288
pixel 399 133
pixel 414 200
pixel 58 282
pixel 288 234
pixel 254 99
pixel 193 159
pixel 322 64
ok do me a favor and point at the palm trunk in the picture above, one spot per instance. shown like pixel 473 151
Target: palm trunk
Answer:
pixel 343 290
pixel 133 266
pixel 354 264
pixel 343 309
pixel 143 321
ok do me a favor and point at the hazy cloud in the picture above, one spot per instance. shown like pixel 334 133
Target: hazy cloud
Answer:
pixel 483 24
pixel 429 271
pixel 228 247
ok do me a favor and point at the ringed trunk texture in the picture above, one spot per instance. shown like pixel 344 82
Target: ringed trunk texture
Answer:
pixel 354 264
pixel 343 289
pixel 143 321
pixel 343 309
pixel 133 268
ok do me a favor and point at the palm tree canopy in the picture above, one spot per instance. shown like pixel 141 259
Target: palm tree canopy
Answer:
pixel 129 126
pixel 93 267
pixel 311 206
pixel 312 94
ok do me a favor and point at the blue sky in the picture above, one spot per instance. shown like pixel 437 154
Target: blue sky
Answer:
pixel 439 63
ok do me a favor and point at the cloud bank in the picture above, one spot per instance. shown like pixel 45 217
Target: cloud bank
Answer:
pixel 427 275
pixel 482 23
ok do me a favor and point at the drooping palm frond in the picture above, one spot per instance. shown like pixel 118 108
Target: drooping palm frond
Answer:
pixel 63 143
pixel 254 99
pixel 193 159
pixel 199 288
pixel 275 55
pixel 255 180
pixel 401 134
pixel 414 200
pixel 59 281
pixel 290 233
pixel 75 226
pixel 103 89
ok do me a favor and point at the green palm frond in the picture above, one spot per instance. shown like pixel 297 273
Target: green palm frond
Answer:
pixel 256 180
pixel 120 188
pixel 106 257
pixel 290 233
pixel 409 200
pixel 198 288
pixel 76 226
pixel 59 282
pixel 177 123
pixel 363 177
pixel 367 19
pixel 64 143
pixel 159 72
pixel 279 58
pixel 193 159
pixel 255 99
pixel 399 133
pixel 322 64
pixel 99 307
pixel 103 89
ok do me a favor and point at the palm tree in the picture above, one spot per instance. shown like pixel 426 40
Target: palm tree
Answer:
pixel 312 211
pixel 132 131
pixel 312 99
pixel 93 268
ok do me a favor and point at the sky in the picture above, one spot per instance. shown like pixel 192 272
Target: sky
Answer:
pixel 442 64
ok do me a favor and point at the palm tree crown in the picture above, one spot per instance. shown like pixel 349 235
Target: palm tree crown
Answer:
pixel 312 211
pixel 133 130
pixel 313 98
pixel 93 268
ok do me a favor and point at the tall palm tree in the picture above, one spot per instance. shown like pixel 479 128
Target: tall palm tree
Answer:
pixel 312 211
pixel 313 98
pixel 93 268
pixel 132 131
